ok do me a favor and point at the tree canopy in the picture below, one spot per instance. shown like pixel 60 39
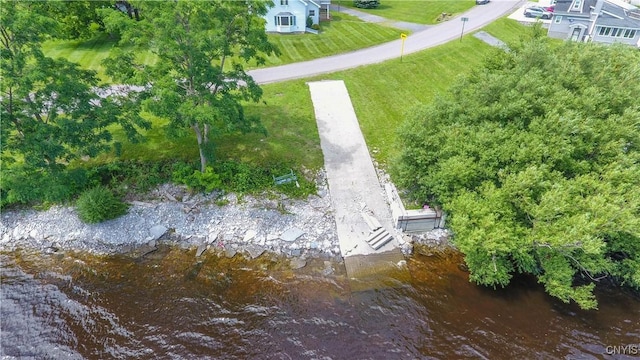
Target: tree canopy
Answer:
pixel 198 82
pixel 536 157
pixel 51 109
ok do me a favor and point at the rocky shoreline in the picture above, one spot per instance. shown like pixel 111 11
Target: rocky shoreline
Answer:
pixel 171 214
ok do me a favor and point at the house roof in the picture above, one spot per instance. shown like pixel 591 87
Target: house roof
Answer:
pixel 564 7
pixel 614 15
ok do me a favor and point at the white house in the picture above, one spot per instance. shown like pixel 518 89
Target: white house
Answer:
pixel 290 16
pixel 603 21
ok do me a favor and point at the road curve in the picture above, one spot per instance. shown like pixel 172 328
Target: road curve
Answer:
pixel 478 17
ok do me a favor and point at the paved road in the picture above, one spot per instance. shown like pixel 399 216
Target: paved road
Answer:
pixel 379 19
pixel 478 16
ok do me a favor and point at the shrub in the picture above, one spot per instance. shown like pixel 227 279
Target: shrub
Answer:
pixel 135 176
pixel 196 180
pixel 99 204
pixel 23 186
pixel 366 4
pixel 309 21
pixel 315 27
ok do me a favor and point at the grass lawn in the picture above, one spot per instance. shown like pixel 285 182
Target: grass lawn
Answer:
pixel 294 47
pixel 287 113
pixel 89 53
pixel 507 30
pixel 381 96
pixel 415 11
pixel 333 39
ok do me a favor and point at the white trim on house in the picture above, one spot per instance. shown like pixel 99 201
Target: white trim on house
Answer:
pixel 300 10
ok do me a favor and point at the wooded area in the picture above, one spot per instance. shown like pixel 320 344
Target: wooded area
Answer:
pixel 535 156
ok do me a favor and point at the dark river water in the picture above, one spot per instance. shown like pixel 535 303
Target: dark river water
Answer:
pixel 172 305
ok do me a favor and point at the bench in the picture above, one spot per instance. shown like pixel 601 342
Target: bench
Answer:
pixel 285 179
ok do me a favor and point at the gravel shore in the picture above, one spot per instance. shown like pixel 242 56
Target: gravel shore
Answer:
pixel 227 224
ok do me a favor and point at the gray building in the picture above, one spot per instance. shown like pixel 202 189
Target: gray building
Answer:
pixel 603 21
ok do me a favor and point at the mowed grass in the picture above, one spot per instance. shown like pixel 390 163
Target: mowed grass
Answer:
pixel 343 33
pixel 90 53
pixel 415 11
pixel 508 30
pixel 286 112
pixel 382 95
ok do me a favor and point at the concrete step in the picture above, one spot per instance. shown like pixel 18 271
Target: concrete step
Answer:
pixel 379 238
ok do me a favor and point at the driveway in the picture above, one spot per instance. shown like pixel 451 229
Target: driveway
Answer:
pixel 478 17
pixel 518 15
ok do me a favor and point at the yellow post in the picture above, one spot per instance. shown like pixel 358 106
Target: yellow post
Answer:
pixel 403 36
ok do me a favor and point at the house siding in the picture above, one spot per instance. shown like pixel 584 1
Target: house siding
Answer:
pixel 611 40
pixel 564 28
pixel 298 9
pixel 583 24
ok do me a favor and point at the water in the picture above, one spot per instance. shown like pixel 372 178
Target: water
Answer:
pixel 170 305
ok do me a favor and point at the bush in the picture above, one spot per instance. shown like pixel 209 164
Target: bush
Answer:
pixel 99 204
pixel 196 180
pixel 315 27
pixel 241 178
pixel 23 186
pixel 134 176
pixel 366 4
pixel 309 21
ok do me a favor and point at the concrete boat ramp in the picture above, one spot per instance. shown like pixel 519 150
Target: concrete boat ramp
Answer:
pixel 363 217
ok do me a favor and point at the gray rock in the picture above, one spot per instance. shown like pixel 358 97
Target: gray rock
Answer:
pixel 157 231
pixel 255 251
pixel 230 252
pixel 250 234
pixel 212 237
pixel 201 249
pixel 328 268
pixel 295 252
pixel 298 263
pixel 292 234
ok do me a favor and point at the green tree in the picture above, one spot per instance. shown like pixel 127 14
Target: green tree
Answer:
pixel 78 19
pixel 51 110
pixel 536 156
pixel 366 4
pixel 198 82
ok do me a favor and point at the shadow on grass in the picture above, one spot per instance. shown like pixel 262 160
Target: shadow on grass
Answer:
pixel 291 139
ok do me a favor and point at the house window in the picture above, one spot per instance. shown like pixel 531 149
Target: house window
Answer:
pixel 557 19
pixel 285 20
pixel 576 4
pixel 284 2
pixel 617 32
pixel 312 13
